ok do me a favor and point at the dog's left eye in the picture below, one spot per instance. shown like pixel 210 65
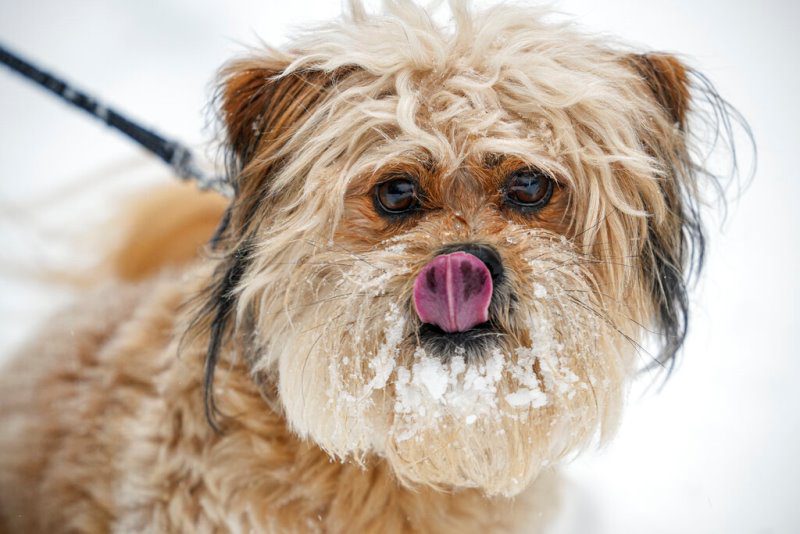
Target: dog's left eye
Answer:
pixel 529 189
pixel 397 196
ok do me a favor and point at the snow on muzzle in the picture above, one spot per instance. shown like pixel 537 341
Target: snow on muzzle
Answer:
pixel 453 292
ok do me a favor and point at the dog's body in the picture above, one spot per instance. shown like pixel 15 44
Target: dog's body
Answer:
pixel 431 286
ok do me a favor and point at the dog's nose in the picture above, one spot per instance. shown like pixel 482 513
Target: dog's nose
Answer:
pixel 487 254
pixel 454 290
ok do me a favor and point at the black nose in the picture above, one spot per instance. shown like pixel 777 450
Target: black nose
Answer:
pixel 487 254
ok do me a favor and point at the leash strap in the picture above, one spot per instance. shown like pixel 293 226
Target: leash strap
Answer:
pixel 173 153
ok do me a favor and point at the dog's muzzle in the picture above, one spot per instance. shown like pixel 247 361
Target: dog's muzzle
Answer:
pixel 454 290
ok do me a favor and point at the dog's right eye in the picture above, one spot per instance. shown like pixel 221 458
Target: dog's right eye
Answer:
pixel 397 196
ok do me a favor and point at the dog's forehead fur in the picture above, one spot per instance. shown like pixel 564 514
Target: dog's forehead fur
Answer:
pixel 503 81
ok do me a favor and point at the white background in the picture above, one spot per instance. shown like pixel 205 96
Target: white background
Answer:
pixel 714 451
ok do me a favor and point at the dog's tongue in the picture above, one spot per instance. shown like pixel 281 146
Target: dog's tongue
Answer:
pixel 453 292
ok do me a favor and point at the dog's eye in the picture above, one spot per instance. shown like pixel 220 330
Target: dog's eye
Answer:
pixel 396 196
pixel 529 189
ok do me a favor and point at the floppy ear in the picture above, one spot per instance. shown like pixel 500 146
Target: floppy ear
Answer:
pixel 261 106
pixel 675 245
pixel 675 242
pixel 668 80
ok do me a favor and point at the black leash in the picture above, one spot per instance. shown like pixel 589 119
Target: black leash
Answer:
pixel 173 153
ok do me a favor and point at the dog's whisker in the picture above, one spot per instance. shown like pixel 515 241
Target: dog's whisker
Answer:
pixel 620 305
pixel 357 257
pixel 635 344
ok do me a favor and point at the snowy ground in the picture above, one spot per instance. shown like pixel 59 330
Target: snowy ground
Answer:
pixel 714 451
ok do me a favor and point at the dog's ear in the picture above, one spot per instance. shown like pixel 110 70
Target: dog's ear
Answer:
pixel 261 104
pixel 668 80
pixel 675 241
pixel 674 248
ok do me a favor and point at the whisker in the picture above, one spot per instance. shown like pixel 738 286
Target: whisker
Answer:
pixel 637 346
pixel 342 247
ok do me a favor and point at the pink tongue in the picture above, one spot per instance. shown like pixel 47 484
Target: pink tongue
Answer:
pixel 453 292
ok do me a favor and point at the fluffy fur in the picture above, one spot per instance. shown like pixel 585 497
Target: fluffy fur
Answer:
pixel 281 383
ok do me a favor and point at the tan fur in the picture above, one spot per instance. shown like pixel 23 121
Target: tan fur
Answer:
pixel 164 228
pixel 301 319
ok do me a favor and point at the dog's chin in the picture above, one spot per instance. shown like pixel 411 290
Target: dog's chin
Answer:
pixel 444 420
pixel 475 344
pixel 450 427
pixel 470 411
pixel 498 455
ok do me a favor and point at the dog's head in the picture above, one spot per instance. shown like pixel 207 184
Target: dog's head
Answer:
pixel 447 245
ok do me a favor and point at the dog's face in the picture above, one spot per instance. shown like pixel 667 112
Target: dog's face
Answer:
pixel 446 246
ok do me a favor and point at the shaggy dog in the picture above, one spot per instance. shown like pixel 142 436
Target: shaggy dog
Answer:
pixel 445 251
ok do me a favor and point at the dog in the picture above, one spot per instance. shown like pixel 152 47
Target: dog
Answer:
pixel 447 248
